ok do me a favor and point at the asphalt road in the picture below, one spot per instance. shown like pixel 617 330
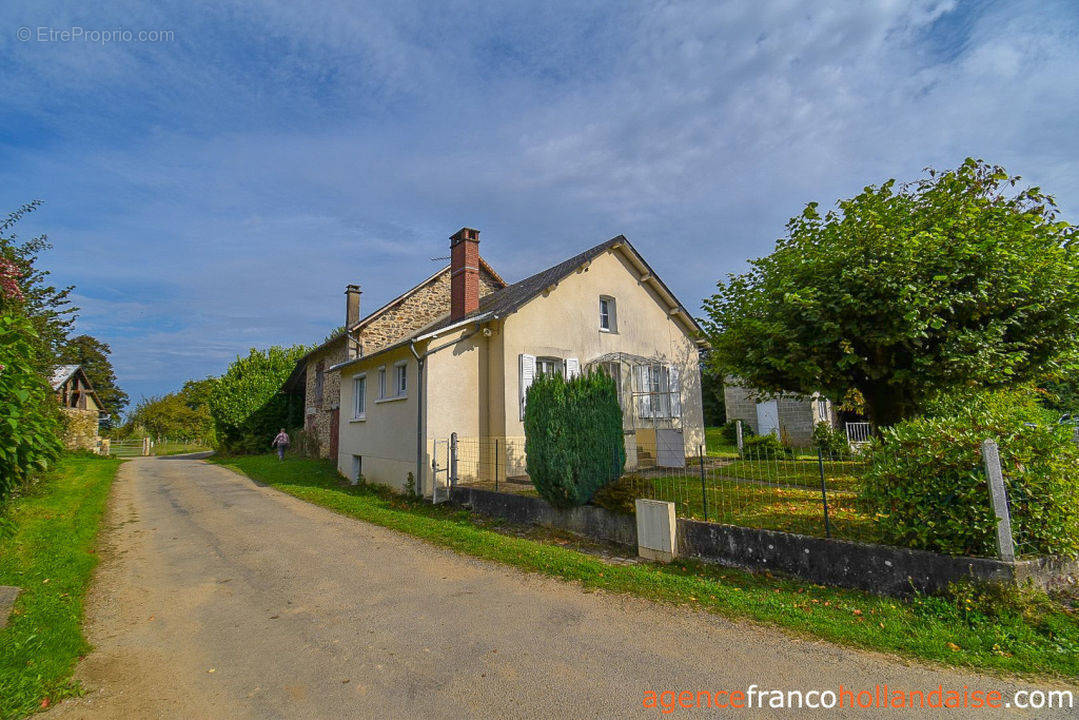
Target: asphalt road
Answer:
pixel 218 598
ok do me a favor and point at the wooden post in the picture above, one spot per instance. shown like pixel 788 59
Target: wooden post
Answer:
pixel 738 434
pixel 1005 542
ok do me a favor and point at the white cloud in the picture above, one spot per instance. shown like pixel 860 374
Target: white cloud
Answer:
pixel 234 180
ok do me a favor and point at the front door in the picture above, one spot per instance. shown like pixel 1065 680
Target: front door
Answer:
pixel 768 417
pixel 335 432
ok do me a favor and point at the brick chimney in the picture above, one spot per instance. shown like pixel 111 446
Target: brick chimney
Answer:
pixel 352 316
pixel 464 272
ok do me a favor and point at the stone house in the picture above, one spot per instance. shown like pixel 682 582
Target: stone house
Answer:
pixel 315 376
pixel 80 405
pixel 790 417
pixel 466 373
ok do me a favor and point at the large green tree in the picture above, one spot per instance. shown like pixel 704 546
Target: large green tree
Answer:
pixel 960 279
pixel 93 356
pixel 247 404
pixel 179 415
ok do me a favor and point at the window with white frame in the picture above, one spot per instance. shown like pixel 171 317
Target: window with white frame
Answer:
pixel 658 389
pixel 608 317
pixel 400 379
pixel 382 383
pixel 359 397
pixel 550 366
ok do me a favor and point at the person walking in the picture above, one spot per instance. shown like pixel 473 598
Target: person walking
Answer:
pixel 281 443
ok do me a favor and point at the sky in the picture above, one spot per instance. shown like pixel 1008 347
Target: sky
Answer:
pixel 214 174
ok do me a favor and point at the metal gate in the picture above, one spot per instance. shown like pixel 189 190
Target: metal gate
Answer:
pixel 443 468
pixel 129 448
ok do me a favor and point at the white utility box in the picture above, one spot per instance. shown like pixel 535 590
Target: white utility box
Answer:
pixel 656 528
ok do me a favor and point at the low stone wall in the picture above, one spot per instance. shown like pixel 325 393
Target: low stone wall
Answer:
pixel 877 568
pixel 80 429
pixel 588 521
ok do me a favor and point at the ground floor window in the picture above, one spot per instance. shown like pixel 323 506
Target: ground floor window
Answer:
pixel 550 366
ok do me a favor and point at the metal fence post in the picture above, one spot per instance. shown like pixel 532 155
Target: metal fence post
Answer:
pixel 704 493
pixel 738 434
pixel 496 464
pixel 824 493
pixel 453 460
pixel 1005 541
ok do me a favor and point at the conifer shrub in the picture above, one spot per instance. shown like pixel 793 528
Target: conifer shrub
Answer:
pixel 573 437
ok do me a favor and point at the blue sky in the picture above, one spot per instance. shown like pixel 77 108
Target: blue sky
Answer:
pixel 217 191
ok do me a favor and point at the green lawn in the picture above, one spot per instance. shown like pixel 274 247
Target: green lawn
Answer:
pixel 1030 635
pixel 46 547
pixel 787 509
pixel 178 448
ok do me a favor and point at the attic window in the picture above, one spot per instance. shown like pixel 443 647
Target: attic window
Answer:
pixel 608 318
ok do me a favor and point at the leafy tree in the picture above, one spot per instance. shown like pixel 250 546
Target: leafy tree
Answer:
pixel 956 280
pixel 712 400
pixel 93 356
pixel 48 308
pixel 573 436
pixel 180 415
pixel 246 403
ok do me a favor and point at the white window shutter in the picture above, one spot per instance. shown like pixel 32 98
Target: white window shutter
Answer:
pixel 676 391
pixel 527 374
pixel 644 400
pixel 573 367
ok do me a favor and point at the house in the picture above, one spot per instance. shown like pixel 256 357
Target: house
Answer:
pixel 790 417
pixel 315 378
pixel 466 372
pixel 80 405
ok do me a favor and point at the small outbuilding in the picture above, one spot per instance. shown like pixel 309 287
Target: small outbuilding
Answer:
pixel 80 405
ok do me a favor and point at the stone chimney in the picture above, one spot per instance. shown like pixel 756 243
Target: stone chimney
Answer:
pixel 464 273
pixel 352 316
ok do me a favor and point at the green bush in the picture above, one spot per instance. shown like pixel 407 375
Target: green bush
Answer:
pixel 831 441
pixel 765 447
pixel 29 417
pixel 729 431
pixel 927 487
pixel 573 437
pixel 621 495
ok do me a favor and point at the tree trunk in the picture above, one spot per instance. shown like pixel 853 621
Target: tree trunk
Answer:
pixel 884 405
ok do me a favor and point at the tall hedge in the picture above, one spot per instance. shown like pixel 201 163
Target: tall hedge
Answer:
pixel 927 489
pixel 246 403
pixel 573 437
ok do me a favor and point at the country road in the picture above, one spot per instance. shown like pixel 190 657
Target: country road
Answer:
pixel 218 598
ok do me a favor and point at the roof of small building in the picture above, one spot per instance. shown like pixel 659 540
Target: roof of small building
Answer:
pixel 62 374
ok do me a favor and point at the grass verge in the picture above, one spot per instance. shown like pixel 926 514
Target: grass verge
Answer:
pixel 987 629
pixel 46 548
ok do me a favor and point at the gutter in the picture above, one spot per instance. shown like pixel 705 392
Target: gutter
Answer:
pixel 421 436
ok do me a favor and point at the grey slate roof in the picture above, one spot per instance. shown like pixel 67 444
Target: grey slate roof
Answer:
pixel 61 375
pixel 505 301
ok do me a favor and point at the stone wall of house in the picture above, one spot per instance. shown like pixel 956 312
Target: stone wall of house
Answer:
pixel 320 404
pixel 418 310
pixel 415 312
pixel 80 429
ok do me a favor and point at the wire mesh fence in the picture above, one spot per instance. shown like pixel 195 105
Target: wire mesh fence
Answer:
pixel 766 487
